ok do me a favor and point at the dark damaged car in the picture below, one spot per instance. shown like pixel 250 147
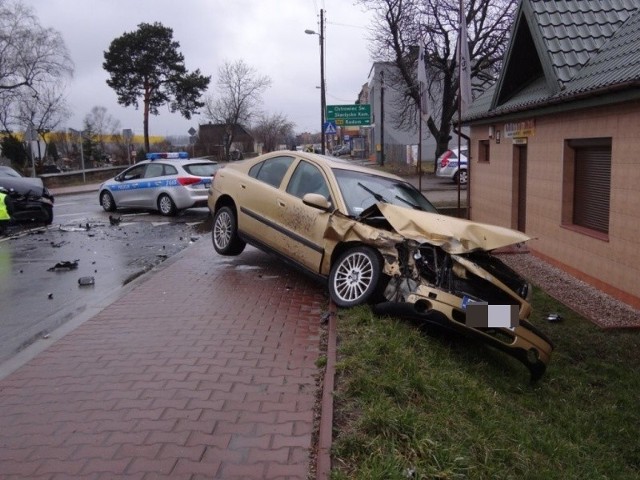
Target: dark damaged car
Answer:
pixel 374 238
pixel 30 200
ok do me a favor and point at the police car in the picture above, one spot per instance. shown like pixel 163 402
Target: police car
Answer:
pixel 166 182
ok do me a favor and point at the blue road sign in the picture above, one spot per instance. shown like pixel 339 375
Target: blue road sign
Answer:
pixel 330 128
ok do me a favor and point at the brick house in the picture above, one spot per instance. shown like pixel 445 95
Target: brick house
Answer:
pixel 555 142
pixel 211 139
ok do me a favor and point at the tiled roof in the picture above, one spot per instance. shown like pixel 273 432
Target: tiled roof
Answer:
pixel 590 45
pixel 574 30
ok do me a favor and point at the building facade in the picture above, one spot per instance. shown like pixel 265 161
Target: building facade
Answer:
pixel 554 143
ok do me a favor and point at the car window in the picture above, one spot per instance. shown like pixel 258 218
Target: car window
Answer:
pixel 134 173
pixel 201 169
pixel 170 170
pixel 360 190
pixel 271 171
pixel 307 178
pixel 153 170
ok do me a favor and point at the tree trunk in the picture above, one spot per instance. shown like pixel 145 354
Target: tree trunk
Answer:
pixel 146 125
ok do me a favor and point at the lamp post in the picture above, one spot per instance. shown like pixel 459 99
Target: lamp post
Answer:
pixel 323 101
pixel 79 133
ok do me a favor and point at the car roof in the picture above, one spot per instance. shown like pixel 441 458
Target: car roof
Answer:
pixel 178 161
pixel 323 160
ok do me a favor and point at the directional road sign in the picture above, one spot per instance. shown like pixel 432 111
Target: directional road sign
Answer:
pixel 349 115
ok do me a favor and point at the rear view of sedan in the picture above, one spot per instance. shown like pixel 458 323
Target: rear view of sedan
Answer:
pixel 453 165
pixel 161 183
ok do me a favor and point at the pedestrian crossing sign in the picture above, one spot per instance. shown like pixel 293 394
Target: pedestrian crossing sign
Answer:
pixel 330 128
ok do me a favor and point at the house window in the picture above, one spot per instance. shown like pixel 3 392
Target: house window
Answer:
pixel 483 151
pixel 587 184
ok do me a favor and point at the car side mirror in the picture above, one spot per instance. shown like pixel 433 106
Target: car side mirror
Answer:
pixel 316 200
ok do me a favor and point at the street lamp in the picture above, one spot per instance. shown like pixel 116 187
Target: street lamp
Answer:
pixel 323 102
pixel 80 133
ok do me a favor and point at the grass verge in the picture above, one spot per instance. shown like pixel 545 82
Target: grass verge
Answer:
pixel 427 405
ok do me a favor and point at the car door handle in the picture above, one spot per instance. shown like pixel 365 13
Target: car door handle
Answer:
pixel 281 203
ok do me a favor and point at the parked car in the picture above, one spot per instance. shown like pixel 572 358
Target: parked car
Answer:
pixel 31 200
pixel 372 237
pixel 342 150
pixel 453 165
pixel 161 183
pixel 50 169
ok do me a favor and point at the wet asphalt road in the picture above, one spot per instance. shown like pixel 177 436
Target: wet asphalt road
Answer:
pixel 40 268
pixel 36 297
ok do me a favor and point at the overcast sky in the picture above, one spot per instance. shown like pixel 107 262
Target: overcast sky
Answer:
pixel 266 34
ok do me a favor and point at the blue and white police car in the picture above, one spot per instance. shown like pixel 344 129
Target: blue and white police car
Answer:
pixel 166 182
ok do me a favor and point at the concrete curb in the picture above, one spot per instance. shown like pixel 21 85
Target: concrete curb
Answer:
pixel 325 435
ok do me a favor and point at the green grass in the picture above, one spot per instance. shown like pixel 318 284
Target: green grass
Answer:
pixel 416 404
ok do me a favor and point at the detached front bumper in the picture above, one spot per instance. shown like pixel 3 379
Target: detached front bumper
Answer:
pixel 524 342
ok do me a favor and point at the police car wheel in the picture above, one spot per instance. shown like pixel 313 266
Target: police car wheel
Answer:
pixel 166 205
pixel 107 202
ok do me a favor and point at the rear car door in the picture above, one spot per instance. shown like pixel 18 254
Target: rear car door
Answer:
pixel 303 226
pixel 258 201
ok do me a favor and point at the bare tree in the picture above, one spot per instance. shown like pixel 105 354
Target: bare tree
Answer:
pixel 239 96
pixel 44 112
pixel 273 130
pixel 400 25
pixel 104 127
pixel 34 61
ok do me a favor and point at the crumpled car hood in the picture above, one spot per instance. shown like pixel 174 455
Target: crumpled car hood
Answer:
pixel 453 235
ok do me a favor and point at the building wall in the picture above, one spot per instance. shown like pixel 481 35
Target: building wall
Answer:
pixel 611 262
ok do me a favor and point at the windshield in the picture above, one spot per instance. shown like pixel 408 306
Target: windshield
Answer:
pixel 361 190
pixel 9 172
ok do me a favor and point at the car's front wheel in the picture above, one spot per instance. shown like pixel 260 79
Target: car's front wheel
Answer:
pixel 107 202
pixel 225 233
pixel 166 205
pixel 47 213
pixel 354 277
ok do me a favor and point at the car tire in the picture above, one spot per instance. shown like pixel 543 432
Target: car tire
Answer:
pixel 461 177
pixel 107 202
pixel 354 277
pixel 47 213
pixel 166 206
pixel 224 233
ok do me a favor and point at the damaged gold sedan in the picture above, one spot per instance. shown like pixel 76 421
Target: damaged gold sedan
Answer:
pixel 374 238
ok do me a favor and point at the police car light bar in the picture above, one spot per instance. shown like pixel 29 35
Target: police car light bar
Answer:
pixel 167 155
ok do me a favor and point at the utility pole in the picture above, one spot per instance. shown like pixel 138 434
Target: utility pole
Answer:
pixel 323 99
pixel 382 117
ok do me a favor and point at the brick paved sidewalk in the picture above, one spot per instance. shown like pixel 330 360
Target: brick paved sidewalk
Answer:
pixel 205 370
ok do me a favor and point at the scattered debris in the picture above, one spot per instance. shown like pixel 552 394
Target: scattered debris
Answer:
pixel 324 319
pixel 86 281
pixel 66 228
pixel 66 265
pixel 115 221
pixel 59 244
pixel 50 296
pixel 553 317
